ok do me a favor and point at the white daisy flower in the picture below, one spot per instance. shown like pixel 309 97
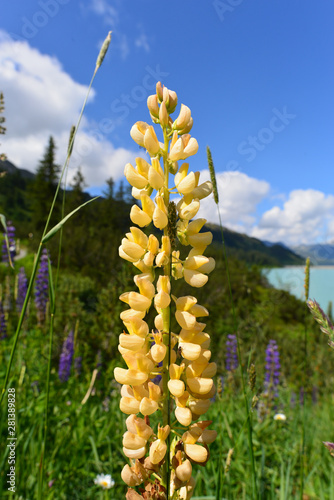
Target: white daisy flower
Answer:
pixel 280 416
pixel 104 480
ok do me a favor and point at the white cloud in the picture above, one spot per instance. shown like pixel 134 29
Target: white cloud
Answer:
pixel 103 8
pixel 306 217
pixel 41 99
pixel 239 196
pixel 142 42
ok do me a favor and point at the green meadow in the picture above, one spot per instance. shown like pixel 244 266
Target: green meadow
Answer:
pixel 84 437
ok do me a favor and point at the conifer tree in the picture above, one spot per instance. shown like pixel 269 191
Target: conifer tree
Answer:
pixel 44 187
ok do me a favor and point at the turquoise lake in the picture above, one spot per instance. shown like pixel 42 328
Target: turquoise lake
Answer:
pixel 291 278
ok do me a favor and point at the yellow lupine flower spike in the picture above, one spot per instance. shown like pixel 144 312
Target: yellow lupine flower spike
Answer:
pixel 167 374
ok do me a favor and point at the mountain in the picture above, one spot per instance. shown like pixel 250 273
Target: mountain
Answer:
pixel 7 166
pixel 255 251
pixel 320 254
pixel 270 244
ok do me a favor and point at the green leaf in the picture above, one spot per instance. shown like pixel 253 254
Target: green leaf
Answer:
pixel 3 222
pixel 60 224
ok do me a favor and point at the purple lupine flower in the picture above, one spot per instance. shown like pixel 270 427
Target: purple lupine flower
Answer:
pixel 11 241
pixel 65 360
pixel 272 365
pixel 22 286
pixel 42 286
pixel 78 365
pixel 3 324
pixel 231 361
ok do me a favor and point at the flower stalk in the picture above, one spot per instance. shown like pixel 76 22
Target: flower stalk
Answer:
pixel 161 460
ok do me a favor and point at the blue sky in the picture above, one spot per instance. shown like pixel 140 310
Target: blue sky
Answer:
pixel 258 77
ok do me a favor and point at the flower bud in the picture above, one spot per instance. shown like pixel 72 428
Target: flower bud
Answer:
pixel 159 90
pixel 152 104
pixel 163 115
pixel 183 119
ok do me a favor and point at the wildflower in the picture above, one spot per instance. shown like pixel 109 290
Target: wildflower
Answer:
pixel 272 365
pixel 231 362
pixel 65 360
pixel 22 286
pixel 42 286
pixel 11 243
pixel 280 416
pixel 156 373
pixel 105 481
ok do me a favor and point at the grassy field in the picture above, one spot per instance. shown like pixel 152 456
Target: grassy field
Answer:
pixel 84 440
